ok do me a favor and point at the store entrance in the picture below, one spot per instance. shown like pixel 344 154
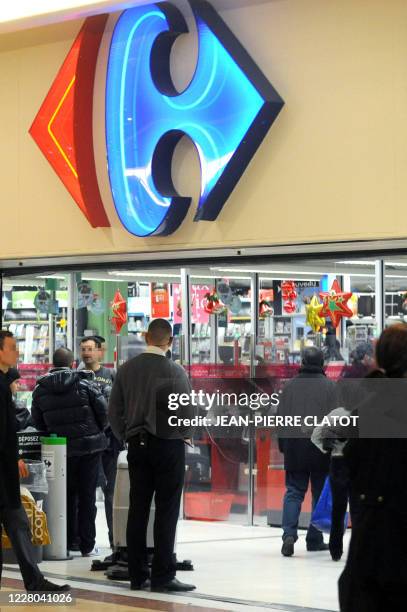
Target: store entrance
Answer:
pixel 236 329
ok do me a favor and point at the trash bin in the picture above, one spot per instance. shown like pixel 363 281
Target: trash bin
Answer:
pixel 37 485
pixel 121 506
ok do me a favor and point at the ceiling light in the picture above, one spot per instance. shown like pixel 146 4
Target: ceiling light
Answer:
pixel 356 262
pixel 51 276
pixel 144 274
pixel 292 273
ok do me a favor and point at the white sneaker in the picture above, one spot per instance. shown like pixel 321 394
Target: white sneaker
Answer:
pixel 93 553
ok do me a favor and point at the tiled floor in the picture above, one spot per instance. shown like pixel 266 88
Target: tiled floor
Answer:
pixel 236 568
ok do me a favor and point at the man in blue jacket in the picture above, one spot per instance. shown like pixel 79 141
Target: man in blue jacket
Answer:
pixel 68 403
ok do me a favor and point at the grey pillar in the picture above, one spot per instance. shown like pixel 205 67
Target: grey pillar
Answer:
pixel 186 317
pixel 380 296
pixel 254 316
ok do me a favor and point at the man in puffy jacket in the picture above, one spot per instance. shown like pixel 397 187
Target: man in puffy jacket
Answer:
pixel 68 403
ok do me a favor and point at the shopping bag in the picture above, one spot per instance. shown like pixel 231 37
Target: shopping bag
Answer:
pixel 37 521
pixel 321 516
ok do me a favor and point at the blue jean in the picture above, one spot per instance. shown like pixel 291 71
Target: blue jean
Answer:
pixel 296 488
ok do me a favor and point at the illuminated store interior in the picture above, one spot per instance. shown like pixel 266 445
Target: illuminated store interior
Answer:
pixel 239 322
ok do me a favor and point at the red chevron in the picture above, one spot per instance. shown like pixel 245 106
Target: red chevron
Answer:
pixel 63 126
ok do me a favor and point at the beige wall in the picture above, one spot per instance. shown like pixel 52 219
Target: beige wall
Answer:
pixel 333 166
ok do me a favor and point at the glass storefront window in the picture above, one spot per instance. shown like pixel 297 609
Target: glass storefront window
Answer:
pixel 231 345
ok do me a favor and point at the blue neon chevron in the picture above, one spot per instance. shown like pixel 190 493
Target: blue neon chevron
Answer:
pixel 217 111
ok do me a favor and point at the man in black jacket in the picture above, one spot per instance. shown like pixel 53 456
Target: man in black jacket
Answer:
pixel 67 402
pixel 12 514
pixel 139 413
pixel 308 394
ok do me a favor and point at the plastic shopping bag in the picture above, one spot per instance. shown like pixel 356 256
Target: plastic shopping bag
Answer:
pixel 322 514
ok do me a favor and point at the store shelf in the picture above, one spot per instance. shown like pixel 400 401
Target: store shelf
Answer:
pixel 26 321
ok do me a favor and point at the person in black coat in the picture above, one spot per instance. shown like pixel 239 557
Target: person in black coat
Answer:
pixel 23 415
pixel 375 575
pixel 12 514
pixel 68 403
pixel 310 393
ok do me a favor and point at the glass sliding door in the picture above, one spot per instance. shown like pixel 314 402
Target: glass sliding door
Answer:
pixel 217 480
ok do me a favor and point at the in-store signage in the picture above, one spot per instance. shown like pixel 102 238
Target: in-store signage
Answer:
pixel 226 111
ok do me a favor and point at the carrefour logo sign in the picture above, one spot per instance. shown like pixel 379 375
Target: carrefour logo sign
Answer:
pixel 226 111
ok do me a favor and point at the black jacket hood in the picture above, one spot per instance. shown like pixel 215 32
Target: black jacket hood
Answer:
pixel 61 380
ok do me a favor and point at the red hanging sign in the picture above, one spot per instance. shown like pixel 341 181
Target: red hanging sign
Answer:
pixel 160 301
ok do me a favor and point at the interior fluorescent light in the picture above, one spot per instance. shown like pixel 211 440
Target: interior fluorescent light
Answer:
pixel 270 278
pixel 292 273
pixel 144 274
pixel 356 262
pixel 217 277
pixel 51 276
pixel 396 264
pixel 249 271
pixel 395 276
pixel 107 280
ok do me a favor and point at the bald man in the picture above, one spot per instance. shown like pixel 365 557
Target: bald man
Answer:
pixel 138 413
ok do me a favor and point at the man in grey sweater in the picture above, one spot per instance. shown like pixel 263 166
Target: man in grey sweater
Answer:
pixel 139 414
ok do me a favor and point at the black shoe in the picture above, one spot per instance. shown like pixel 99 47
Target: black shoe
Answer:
pixel 140 586
pixel 45 586
pixel 336 553
pixel 172 586
pixel 318 547
pixel 287 549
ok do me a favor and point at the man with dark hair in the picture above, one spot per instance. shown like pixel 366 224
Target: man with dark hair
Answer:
pixel 69 403
pixel 63 358
pixel 12 513
pixel 138 413
pixel 310 393
pixel 91 355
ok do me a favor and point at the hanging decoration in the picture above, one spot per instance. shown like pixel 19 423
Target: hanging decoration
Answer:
pixel 97 306
pixel 235 305
pixel 119 312
pixel 335 303
pixel 160 300
pixel 289 295
pixel 42 302
pixel 85 294
pixel 224 291
pixel 265 308
pixel 212 303
pixel 313 316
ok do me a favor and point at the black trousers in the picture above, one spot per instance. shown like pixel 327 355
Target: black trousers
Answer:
pixel 339 480
pixel 82 475
pixel 109 463
pixel 16 525
pixel 157 467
